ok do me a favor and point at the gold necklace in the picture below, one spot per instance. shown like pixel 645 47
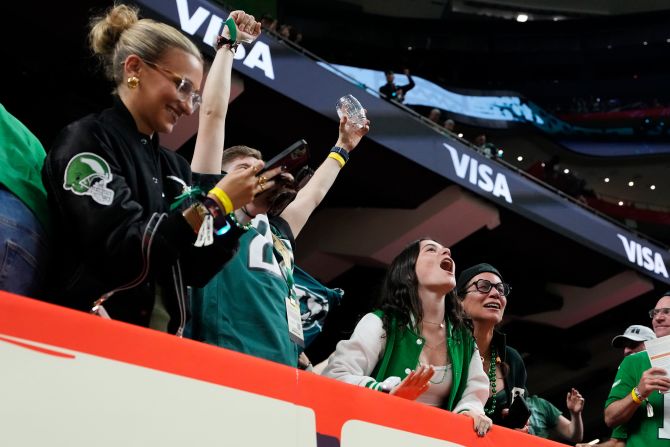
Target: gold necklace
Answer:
pixel 436 324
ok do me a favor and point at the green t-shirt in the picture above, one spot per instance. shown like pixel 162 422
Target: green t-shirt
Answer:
pixel 243 307
pixel 21 157
pixel 543 416
pixel 642 431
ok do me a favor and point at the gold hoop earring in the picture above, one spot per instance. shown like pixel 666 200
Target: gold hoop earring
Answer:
pixel 133 82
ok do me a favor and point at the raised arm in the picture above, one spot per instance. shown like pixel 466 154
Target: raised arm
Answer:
pixel 309 197
pixel 572 429
pixel 215 97
pixel 410 85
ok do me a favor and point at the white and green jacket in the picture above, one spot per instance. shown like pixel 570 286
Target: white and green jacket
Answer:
pixel 365 360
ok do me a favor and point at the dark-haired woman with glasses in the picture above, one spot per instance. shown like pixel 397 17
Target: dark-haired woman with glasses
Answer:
pixel 484 297
pixel 132 232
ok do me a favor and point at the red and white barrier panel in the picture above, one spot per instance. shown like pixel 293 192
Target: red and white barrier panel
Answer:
pixel 71 379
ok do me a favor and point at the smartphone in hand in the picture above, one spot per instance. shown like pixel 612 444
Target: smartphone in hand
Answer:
pixel 518 412
pixel 293 158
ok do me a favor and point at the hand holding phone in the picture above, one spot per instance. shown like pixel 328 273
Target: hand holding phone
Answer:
pixel 292 158
pixel 519 413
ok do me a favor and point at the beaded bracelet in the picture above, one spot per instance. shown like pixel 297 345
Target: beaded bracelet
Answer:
pixel 239 225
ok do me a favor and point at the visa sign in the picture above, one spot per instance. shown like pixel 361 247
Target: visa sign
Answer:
pixel 259 56
pixel 479 174
pixel 643 256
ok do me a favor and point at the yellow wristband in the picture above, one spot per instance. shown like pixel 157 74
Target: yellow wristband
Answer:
pixel 634 393
pixel 338 158
pixel 223 198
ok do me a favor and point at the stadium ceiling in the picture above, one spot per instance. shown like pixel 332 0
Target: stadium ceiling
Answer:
pixel 508 9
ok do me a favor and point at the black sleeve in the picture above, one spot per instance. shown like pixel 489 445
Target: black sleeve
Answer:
pixel 202 263
pixel 112 225
pixel 206 181
pixel 386 91
pixel 407 87
pixel 108 232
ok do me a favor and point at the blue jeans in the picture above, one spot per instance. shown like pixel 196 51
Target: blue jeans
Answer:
pixel 23 248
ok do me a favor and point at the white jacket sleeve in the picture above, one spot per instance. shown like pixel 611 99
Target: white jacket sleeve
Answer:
pixel 476 391
pixel 354 359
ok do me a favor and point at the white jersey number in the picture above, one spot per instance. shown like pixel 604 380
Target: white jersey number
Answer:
pixel 261 255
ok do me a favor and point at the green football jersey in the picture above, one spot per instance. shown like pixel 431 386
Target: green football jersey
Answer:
pixel 642 430
pixel 243 307
pixel 543 416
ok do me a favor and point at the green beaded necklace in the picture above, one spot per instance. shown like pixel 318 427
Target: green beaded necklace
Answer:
pixel 490 409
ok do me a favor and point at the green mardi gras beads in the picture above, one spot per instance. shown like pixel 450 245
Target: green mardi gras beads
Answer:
pixel 491 405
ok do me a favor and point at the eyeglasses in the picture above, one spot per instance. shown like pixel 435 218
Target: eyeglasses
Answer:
pixel 484 286
pixel 185 89
pixel 662 310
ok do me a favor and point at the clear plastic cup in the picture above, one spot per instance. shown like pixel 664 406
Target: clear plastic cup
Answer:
pixel 349 106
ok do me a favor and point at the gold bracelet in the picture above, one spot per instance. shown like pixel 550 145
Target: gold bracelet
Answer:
pixel 223 198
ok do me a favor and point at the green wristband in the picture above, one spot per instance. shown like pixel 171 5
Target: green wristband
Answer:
pixel 230 23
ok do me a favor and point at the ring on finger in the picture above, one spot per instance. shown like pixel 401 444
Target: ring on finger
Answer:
pixel 261 180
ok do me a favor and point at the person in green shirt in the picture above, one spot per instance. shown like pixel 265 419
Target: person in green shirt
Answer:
pixel 631 341
pixel 638 399
pixel 24 217
pixel 251 305
pixel 546 419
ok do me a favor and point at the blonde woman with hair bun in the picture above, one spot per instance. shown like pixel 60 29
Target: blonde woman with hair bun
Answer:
pixel 131 234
